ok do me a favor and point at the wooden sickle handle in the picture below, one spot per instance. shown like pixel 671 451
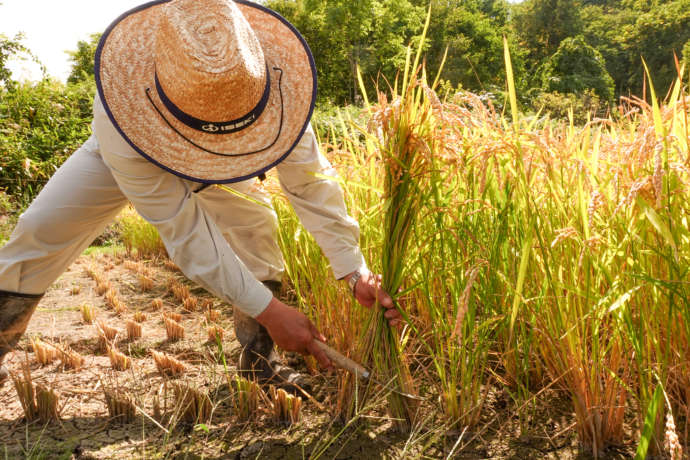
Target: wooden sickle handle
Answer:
pixel 343 361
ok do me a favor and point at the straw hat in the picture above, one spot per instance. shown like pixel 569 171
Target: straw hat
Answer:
pixel 211 90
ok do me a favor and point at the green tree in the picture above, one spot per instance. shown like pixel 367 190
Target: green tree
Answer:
pixel 342 34
pixel 541 25
pixel 474 41
pixel 576 67
pixel 83 59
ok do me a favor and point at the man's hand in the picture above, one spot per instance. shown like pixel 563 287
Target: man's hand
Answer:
pixel 368 290
pixel 291 330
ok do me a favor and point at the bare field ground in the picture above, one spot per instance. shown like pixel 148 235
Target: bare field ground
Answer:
pixel 87 431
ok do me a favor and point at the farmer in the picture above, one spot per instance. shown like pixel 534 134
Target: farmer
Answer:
pixel 193 93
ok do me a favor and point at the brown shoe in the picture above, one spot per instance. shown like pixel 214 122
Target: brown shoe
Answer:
pixel 259 360
pixel 15 313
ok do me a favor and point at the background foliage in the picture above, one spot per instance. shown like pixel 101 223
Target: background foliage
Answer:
pixel 565 53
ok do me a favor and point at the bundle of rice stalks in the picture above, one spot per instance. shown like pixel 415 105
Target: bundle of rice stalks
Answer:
pixel 47 404
pixel 26 393
pixel 192 405
pixel 167 365
pixel 133 330
pixel 180 291
pixel 103 287
pixel 215 334
pixel 177 317
pixel 139 316
pixel 190 304
pixel 170 265
pixel 88 314
pixel 286 407
pixel 405 140
pixel 157 304
pixel 120 308
pixel 111 298
pixel 45 352
pixel 106 334
pixel 70 359
pixel 75 289
pixel 174 330
pixel 145 283
pixel 120 405
pixel 134 267
pixel 38 402
pixel 94 274
pixel 118 360
pixel 207 304
pixel 245 400
pixel 212 315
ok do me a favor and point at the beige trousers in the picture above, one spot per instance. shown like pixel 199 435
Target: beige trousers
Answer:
pixel 221 241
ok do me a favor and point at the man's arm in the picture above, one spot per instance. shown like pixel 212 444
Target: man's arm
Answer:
pixel 319 203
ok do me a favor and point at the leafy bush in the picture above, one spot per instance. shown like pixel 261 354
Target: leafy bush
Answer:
pixel 140 238
pixel 576 67
pixel 585 106
pixel 41 124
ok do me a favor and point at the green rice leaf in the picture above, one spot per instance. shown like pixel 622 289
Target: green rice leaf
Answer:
pixel 649 422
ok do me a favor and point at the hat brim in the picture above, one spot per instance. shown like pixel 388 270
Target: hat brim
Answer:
pixel 125 70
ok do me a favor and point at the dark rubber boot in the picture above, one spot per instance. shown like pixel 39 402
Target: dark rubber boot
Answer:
pixel 15 313
pixel 259 360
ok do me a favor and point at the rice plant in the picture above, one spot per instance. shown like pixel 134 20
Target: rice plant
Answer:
pixel 88 314
pixel 245 399
pixel 168 365
pixel 120 405
pixel 145 283
pixel 285 407
pixel 190 304
pixel 69 358
pixel 193 405
pixel 174 330
pixel 118 360
pixel 133 330
pixel 139 316
pixel 157 304
pixel 540 255
pixel 215 334
pixel 45 352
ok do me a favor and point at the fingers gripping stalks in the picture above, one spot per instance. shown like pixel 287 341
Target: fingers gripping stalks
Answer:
pixel 293 331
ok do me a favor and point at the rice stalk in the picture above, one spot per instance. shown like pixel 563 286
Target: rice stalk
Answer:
pixel 285 407
pixel 145 283
pixel 133 330
pixel 88 313
pixel 26 393
pixel 45 352
pixel 139 316
pixel 190 304
pixel 120 405
pixel 177 317
pixel 70 359
pixel 215 334
pixel 245 399
pixel 174 330
pixel 193 405
pixel 157 304
pixel 168 365
pixel 212 315
pixel 118 360
pixel 47 406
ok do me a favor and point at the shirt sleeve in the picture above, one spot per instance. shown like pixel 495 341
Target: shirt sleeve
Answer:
pixel 318 202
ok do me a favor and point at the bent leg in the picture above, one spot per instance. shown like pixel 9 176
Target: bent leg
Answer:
pixel 67 215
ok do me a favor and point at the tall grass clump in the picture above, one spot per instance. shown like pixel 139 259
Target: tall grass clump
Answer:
pixel 543 258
